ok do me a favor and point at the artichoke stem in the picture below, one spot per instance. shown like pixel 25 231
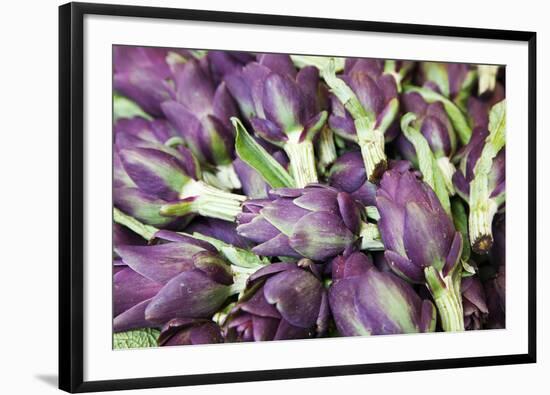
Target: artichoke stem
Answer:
pixel 302 162
pixel 371 142
pixel 447 171
pixel 201 198
pixel 326 149
pixel 481 219
pixel 447 297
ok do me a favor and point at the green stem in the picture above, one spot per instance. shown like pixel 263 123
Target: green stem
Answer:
pixel 302 162
pixel 487 78
pixel 481 220
pixel 371 142
pixel 447 297
pixel 447 170
pixel 326 149
pixel 145 231
pixel 227 176
pixel 201 198
pixel 240 277
pixel 236 256
pixel 370 237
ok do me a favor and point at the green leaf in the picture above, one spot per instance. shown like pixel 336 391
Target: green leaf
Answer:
pixel 126 108
pixel 459 121
pixel 431 172
pixel 259 159
pixel 138 338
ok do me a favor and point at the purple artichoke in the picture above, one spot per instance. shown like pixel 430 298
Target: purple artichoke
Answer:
pixel 182 278
pixel 474 303
pixel 315 222
pixel 132 292
pixel 142 74
pixel 422 245
pixel 281 301
pixel 201 113
pixel 184 331
pixel 360 296
pixel 281 106
pixel 160 185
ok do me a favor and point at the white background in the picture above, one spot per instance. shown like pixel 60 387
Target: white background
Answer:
pixel 29 194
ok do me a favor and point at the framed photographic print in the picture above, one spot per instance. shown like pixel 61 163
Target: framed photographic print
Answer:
pixel 238 188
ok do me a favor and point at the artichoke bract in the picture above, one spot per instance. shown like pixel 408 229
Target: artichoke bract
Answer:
pixel 181 278
pixel 201 114
pixel 316 222
pixel 348 174
pixel 282 301
pixel 474 303
pixel 422 245
pixel 280 104
pixel 185 331
pixel 365 301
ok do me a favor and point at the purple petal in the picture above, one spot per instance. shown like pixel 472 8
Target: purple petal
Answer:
pixel 297 295
pixel 189 295
pixel 268 130
pixel 281 102
pixel 279 63
pixel 403 267
pixel 161 262
pixel 277 246
pixel 132 318
pixel 155 172
pixel 350 212
pixel 194 89
pixel 131 288
pixel 320 235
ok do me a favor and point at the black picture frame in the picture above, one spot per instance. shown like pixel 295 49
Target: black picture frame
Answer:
pixel 71 198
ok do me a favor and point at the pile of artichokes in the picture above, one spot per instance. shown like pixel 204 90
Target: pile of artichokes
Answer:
pixel 272 197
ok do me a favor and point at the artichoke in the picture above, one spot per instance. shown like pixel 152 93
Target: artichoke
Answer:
pixel 365 301
pixel 184 331
pixel 316 222
pixel 422 245
pixel 282 301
